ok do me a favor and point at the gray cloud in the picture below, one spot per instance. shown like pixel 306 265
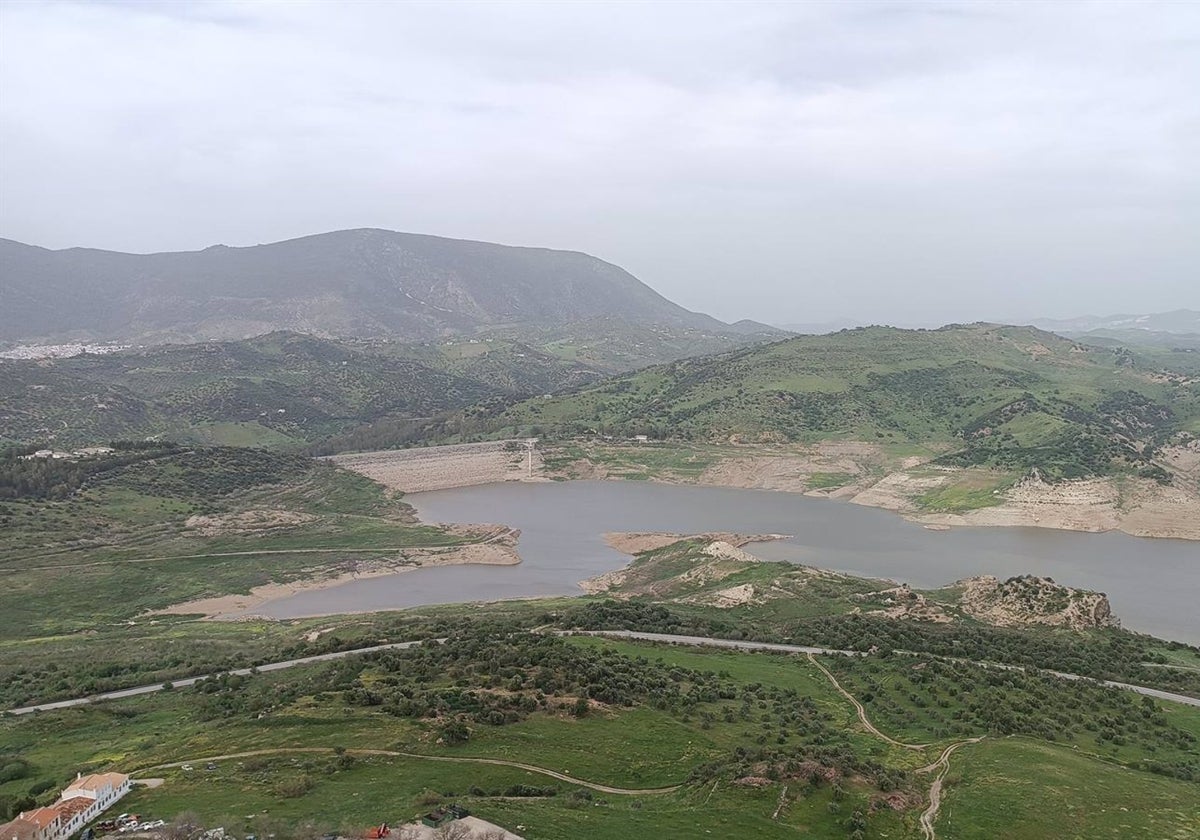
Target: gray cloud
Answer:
pixel 903 162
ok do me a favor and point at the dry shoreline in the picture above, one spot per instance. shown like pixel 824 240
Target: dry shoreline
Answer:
pixel 1136 506
pixel 856 471
pixel 241 607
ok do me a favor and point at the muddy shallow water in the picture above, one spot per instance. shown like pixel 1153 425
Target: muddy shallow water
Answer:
pixel 1153 584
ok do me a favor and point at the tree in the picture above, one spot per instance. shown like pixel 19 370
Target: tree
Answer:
pixel 456 732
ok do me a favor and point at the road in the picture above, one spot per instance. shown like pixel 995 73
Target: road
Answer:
pixel 184 683
pixel 704 641
pixel 699 641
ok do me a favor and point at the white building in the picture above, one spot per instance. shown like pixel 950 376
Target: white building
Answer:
pixel 83 800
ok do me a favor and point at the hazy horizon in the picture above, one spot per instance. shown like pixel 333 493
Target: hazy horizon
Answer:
pixel 907 163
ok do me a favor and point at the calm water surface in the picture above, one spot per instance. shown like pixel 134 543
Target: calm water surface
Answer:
pixel 1153 584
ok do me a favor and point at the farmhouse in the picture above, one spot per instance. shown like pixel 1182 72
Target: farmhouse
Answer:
pixel 38 824
pixel 81 802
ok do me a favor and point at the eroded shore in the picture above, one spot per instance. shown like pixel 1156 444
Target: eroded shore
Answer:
pixel 859 472
pixel 497 549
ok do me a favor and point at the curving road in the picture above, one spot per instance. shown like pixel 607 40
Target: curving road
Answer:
pixel 935 789
pixel 704 641
pixel 698 641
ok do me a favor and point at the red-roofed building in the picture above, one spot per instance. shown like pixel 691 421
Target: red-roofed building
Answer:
pixel 38 824
pixel 20 829
pixel 82 801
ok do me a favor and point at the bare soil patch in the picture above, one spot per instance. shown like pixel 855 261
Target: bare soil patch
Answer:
pixel 247 522
pixel 242 606
pixel 1140 507
pixel 635 542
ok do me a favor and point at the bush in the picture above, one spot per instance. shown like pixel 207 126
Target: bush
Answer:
pixel 295 787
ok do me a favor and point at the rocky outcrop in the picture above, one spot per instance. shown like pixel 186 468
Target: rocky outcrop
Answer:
pixel 902 602
pixel 1026 600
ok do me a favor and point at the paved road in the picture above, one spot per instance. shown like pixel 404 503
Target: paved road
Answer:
pixel 740 645
pixel 706 641
pixel 183 683
pixel 701 641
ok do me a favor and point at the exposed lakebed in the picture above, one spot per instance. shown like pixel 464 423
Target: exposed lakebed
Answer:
pixel 1153 584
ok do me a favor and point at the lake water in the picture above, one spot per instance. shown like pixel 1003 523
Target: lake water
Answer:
pixel 1153 584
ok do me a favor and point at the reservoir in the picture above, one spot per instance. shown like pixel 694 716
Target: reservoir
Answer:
pixel 1153 584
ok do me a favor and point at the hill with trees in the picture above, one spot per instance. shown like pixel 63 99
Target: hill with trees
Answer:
pixel 277 389
pixel 1012 398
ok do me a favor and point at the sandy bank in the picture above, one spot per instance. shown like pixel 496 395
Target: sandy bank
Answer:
pixel 861 472
pixel 243 606
pixel 1139 507
pixel 635 542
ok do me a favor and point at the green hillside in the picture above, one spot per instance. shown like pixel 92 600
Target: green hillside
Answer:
pixel 272 390
pixel 1010 397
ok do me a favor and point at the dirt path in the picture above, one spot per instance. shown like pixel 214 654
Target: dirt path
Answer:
pixel 499 762
pixel 935 789
pixel 862 713
pixel 943 762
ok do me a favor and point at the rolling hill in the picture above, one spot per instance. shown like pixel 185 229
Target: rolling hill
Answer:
pixel 277 389
pixel 1007 397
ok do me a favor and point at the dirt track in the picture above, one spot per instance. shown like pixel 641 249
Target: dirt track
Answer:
pixel 935 789
pixel 500 762
pixel 862 713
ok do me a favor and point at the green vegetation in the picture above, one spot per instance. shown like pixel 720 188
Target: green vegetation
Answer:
pixel 973 491
pixel 934 699
pixel 208 521
pixel 281 389
pixel 1109 654
pixel 1006 398
pixel 829 480
pixel 1027 790
pixel 762 745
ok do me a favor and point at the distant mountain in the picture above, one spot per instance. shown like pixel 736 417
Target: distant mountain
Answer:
pixel 1179 321
pixel 357 283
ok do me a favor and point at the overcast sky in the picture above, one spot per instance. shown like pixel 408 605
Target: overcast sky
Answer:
pixel 889 162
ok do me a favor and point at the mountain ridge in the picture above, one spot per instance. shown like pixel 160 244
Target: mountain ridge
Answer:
pixel 363 282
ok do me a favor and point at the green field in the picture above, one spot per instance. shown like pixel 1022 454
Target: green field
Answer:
pixel 128 540
pixel 1026 790
pixel 1047 789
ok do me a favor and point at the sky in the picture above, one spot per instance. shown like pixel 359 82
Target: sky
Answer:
pixel 899 162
